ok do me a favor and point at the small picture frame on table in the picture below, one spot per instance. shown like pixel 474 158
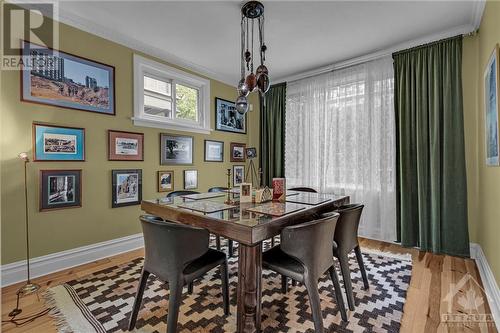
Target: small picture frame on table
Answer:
pixel 190 179
pixel 237 152
pixel 245 192
pixel 58 143
pixel 126 187
pixel 60 189
pixel 165 181
pixel 214 151
pixel 125 146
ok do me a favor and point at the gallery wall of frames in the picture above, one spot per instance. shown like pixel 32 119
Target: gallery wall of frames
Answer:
pixel 90 166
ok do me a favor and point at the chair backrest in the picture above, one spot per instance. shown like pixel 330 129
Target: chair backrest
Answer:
pixel 179 193
pixel 311 243
pixel 217 189
pixel 303 189
pixel 169 246
pixel 346 233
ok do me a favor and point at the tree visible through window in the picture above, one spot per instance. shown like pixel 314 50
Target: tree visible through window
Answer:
pixel 186 102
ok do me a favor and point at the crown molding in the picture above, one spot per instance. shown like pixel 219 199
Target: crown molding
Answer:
pixel 459 30
pixel 477 13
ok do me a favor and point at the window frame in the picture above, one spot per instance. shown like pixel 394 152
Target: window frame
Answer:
pixel 146 67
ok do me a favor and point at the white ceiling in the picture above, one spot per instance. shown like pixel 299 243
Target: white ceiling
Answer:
pixel 301 35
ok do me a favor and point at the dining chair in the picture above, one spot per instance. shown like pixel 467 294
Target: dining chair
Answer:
pixel 305 254
pixel 217 237
pixel 180 193
pixel 303 189
pixel 346 240
pixel 177 254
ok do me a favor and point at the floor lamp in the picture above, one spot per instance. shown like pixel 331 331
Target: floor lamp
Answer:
pixel 28 287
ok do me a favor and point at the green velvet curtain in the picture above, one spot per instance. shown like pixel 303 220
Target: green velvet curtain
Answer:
pixel 432 189
pixel 272 133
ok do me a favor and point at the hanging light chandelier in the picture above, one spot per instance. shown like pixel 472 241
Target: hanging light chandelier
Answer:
pixel 252 13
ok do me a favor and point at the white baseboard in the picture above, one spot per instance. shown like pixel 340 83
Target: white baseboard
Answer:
pixel 16 271
pixel 488 279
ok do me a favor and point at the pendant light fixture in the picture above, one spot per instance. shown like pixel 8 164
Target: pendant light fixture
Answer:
pixel 252 14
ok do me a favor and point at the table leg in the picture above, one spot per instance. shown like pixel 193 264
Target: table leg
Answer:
pixel 249 288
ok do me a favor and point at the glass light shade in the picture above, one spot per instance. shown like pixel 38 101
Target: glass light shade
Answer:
pixel 251 82
pixel 243 88
pixel 263 83
pixel 242 104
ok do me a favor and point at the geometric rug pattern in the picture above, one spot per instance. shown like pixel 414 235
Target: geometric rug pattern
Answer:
pixel 106 298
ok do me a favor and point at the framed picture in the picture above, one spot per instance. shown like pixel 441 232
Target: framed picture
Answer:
pixel 491 107
pixel 251 152
pixel 214 151
pixel 65 80
pixel 58 143
pixel 165 181
pixel 176 149
pixel 237 152
pixel 126 187
pixel 245 192
pixel 125 146
pixel 238 174
pixel 227 118
pixel 60 189
pixel 190 179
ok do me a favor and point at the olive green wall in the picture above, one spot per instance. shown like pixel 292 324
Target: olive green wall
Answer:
pixel 483 181
pixel 95 221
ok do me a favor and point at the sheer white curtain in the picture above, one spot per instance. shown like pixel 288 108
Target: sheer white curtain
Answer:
pixel 340 138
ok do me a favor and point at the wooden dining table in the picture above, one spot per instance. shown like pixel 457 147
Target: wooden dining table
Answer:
pixel 237 222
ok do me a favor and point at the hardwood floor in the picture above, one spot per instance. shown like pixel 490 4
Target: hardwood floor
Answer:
pixel 432 277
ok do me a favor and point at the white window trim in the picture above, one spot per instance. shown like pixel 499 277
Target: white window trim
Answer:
pixel 144 66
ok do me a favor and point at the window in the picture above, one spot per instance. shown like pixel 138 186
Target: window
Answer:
pixel 165 97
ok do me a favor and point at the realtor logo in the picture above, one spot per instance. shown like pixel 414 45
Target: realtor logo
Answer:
pixel 468 295
pixel 26 21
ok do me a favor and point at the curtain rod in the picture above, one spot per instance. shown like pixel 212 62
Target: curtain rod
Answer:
pixel 429 44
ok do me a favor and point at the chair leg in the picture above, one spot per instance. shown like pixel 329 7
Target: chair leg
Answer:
pixel 312 291
pixel 294 283
pixel 138 299
pixel 174 304
pixel 284 284
pixel 338 293
pixel 272 241
pixel 230 247
pixel 359 258
pixel 190 287
pixel 217 242
pixel 224 275
pixel 346 275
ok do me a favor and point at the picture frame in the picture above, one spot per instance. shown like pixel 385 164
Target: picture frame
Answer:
pixel 125 146
pixel 126 187
pixel 245 192
pixel 238 175
pixel 227 118
pixel 56 143
pixel 190 179
pixel 176 149
pixel 165 181
pixel 77 83
pixel 60 189
pixel 214 151
pixel 237 152
pixel 492 107
pixel 251 153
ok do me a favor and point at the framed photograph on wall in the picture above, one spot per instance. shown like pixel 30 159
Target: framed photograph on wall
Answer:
pixel 66 80
pixel 238 174
pixel 165 181
pixel 227 118
pixel 214 151
pixel 58 143
pixel 176 149
pixel 251 153
pixel 237 152
pixel 190 179
pixel 126 187
pixel 60 189
pixel 125 146
pixel 491 107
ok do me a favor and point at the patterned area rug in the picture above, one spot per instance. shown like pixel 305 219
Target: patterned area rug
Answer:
pixel 101 302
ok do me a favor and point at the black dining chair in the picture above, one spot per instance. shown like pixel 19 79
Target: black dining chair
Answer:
pixel 180 193
pixel 303 189
pixel 304 255
pixel 217 237
pixel 346 240
pixel 177 254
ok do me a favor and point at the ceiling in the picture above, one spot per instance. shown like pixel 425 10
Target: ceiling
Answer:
pixel 301 35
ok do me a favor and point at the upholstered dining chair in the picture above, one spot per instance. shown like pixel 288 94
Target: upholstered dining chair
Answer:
pixel 345 241
pixel 305 254
pixel 217 237
pixel 177 254
pixel 303 189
